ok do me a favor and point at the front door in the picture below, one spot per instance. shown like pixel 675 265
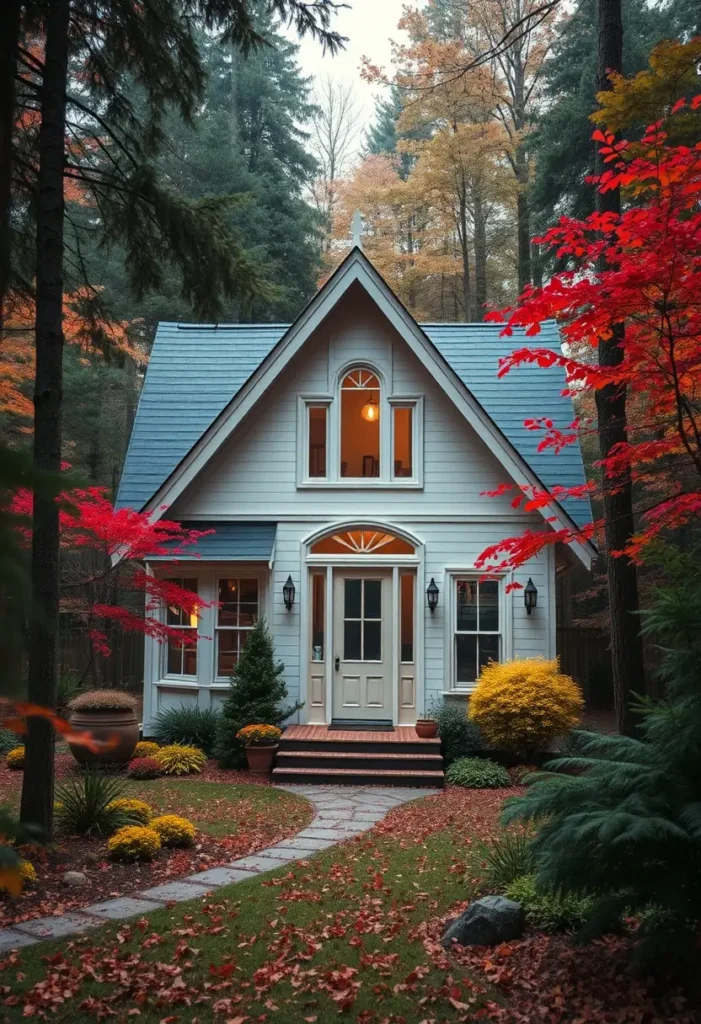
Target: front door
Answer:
pixel 362 644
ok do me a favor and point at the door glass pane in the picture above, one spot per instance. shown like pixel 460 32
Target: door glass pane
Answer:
pixel 318 616
pixel 372 641
pixel 466 658
pixel 351 640
pixel 373 599
pixel 488 650
pixel 467 605
pixel 352 599
pixel 403 456
pixel 406 600
pixel 489 606
pixel 317 441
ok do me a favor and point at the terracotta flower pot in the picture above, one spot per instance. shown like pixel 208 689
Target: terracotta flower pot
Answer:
pixel 106 724
pixel 260 759
pixel 426 728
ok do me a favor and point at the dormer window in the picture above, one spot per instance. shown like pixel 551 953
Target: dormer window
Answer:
pixel 359 435
pixel 360 424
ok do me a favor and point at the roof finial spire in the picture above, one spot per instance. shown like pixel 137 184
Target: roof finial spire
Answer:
pixel 357 229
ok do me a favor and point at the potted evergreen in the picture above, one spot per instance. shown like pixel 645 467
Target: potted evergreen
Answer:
pixel 255 697
pixel 260 742
pixel 110 717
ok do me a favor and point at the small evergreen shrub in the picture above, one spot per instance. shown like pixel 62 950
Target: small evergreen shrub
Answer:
pixel 15 759
pixel 146 748
pixel 507 858
pixel 547 909
pixel 178 759
pixel 255 697
pixel 139 810
pixel 459 736
pixel 522 705
pixel 477 773
pixel 173 830
pixel 87 805
pixel 193 727
pixel 145 768
pixel 9 740
pixel 134 842
pixel 27 872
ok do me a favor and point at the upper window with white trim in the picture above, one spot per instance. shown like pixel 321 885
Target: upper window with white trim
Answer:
pixel 360 434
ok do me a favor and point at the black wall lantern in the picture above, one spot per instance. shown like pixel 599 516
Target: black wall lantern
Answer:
pixel 288 594
pixel 432 595
pixel 530 596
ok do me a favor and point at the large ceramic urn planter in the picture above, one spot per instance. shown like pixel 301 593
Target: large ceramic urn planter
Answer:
pixel 426 728
pixel 260 759
pixel 115 727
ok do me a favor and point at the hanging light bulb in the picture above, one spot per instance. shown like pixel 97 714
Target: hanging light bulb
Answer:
pixel 370 411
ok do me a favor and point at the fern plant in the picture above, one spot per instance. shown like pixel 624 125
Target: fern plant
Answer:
pixel 622 818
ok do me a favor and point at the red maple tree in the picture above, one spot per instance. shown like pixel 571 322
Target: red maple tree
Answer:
pixel 642 267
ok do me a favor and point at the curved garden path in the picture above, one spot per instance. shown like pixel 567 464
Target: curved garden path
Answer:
pixel 340 813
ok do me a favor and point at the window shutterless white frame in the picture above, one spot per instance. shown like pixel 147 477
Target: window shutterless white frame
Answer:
pixel 181 577
pixel 333 479
pixel 505 632
pixel 219 629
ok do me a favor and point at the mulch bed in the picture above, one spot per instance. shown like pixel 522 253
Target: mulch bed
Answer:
pixel 107 879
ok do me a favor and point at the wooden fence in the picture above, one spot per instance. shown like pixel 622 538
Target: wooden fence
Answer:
pixel 124 668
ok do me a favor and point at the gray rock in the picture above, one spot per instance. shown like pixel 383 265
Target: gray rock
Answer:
pixel 74 878
pixel 486 922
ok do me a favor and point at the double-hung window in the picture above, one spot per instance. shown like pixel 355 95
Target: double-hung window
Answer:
pixel 477 629
pixel 181 655
pixel 238 608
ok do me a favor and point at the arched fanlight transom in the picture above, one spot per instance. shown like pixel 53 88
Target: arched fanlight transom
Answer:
pixel 360 378
pixel 362 541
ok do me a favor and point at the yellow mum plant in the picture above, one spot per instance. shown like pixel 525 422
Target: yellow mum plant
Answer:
pixel 134 842
pixel 139 810
pixel 179 759
pixel 145 748
pixel 27 872
pixel 174 831
pixel 15 758
pixel 522 705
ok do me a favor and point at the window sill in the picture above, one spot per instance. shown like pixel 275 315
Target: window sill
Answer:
pixel 360 483
pixel 462 692
pixel 186 682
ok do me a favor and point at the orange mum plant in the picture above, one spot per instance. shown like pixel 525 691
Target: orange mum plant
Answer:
pixel 259 735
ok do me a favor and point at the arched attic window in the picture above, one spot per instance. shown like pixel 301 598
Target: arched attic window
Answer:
pixel 360 424
pixel 364 540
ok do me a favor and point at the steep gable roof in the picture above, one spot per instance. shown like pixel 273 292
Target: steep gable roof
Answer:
pixel 198 375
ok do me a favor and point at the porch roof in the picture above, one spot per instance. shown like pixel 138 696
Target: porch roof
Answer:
pixel 229 542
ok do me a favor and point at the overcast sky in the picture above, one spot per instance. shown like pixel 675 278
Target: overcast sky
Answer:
pixel 369 25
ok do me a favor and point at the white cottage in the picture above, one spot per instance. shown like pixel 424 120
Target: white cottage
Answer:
pixel 341 463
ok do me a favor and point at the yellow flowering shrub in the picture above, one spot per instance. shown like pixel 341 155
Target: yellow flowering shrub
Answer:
pixel 179 759
pixel 15 758
pixel 137 809
pixel 134 842
pixel 521 705
pixel 259 735
pixel 145 748
pixel 27 872
pixel 173 830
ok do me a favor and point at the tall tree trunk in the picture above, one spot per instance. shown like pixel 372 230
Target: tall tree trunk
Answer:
pixel 465 250
pixel 38 784
pixel 626 643
pixel 523 221
pixel 10 17
pixel 480 252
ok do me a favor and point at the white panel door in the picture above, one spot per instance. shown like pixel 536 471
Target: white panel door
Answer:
pixel 362 644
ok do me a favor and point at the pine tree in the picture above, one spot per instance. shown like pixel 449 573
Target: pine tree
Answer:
pixel 257 691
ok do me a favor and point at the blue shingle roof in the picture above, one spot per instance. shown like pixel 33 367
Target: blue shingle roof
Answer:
pixel 238 542
pixel 195 370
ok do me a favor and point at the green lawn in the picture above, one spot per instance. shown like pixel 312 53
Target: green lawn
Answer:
pixel 342 932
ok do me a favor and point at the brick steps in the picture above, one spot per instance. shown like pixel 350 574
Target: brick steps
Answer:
pixel 315 754
pixel 359 777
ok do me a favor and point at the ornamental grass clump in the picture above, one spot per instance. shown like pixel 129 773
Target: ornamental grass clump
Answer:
pixel 194 727
pixel 134 842
pixel 139 810
pixel 15 759
pixel 90 805
pixel 174 830
pixel 178 759
pixel 477 773
pixel 145 768
pixel 104 700
pixel 522 705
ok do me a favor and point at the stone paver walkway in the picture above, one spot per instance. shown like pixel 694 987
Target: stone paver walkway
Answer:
pixel 341 812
